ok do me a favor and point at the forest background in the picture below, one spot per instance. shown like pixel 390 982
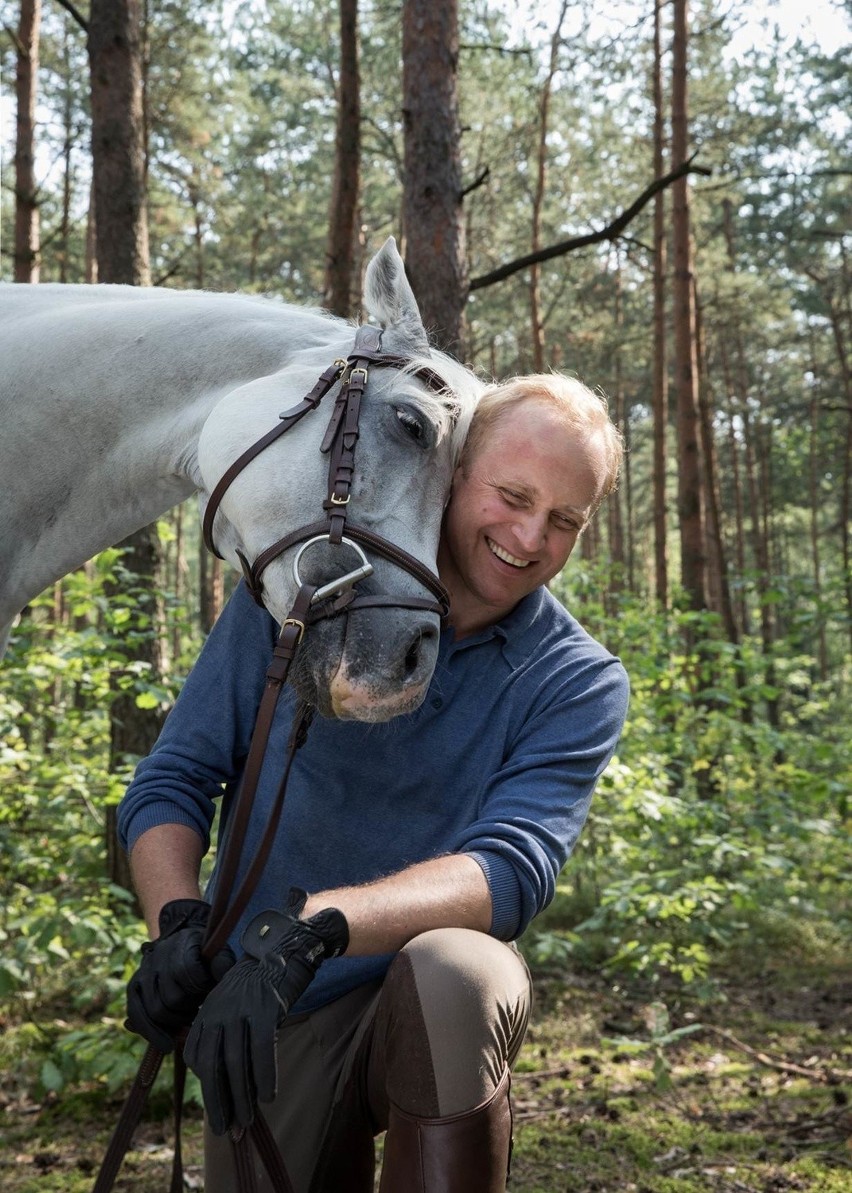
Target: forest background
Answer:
pixel 710 889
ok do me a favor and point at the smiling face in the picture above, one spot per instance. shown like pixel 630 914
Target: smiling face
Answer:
pixel 516 511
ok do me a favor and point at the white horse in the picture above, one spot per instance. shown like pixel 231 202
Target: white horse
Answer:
pixel 117 403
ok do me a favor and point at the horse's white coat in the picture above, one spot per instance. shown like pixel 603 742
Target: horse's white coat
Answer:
pixel 117 403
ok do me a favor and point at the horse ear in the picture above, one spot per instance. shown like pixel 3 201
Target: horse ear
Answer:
pixel 389 298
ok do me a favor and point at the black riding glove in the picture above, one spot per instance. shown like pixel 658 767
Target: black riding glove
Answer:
pixel 231 1045
pixel 171 983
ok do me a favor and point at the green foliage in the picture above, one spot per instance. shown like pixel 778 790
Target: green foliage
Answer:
pixel 68 938
pixel 661 1036
pixel 712 833
pixel 717 833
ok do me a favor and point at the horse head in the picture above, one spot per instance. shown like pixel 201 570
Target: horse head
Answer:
pixel 374 662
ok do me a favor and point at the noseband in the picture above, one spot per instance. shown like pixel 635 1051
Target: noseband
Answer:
pixel 339 443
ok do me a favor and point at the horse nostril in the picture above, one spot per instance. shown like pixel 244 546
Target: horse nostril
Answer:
pixel 412 656
pixel 413 662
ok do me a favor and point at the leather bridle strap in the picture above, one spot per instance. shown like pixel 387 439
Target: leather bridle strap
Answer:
pixel 367 538
pixel 339 442
pixel 288 419
pixel 227 908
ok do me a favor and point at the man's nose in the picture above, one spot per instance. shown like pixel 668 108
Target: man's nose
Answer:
pixel 531 530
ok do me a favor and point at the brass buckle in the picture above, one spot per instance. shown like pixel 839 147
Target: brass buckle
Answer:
pixel 339 500
pixel 295 621
pixel 360 369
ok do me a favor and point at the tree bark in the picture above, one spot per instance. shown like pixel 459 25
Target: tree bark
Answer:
pixel 118 142
pixel 614 513
pixel 744 621
pixel 755 489
pixel 846 482
pixel 210 588
pixel 432 192
pixel 134 730
pixel 121 236
pixel 661 379
pixel 26 196
pixel 690 506
pixel 536 320
pixel 718 579
pixel 67 157
pixel 342 220
pixel 813 487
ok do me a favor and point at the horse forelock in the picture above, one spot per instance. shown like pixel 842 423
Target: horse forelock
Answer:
pixel 450 408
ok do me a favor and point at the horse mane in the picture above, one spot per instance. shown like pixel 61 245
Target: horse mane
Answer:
pixel 450 409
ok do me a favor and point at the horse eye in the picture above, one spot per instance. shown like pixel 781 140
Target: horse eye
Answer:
pixel 411 425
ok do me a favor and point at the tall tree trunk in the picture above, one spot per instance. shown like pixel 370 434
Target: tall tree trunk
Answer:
pixel 813 486
pixel 118 143
pixel 342 230
pixel 661 379
pixel 536 319
pixel 615 520
pixel 26 200
pixel 118 162
pixel 690 506
pixel 91 267
pixel 755 489
pixel 210 588
pixel 766 460
pixel 432 192
pixel 193 187
pixel 718 579
pixel 744 620
pixel 67 157
pixel 846 481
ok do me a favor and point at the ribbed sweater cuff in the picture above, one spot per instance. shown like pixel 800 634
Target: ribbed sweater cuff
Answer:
pixel 154 814
pixel 505 893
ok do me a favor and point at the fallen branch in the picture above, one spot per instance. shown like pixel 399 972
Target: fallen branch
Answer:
pixel 827 1076
pixel 542 1074
pixel 610 232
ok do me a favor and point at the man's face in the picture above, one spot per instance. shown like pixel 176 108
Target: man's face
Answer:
pixel 516 510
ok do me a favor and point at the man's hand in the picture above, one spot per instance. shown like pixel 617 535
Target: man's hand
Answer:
pixel 231 1046
pixel 164 994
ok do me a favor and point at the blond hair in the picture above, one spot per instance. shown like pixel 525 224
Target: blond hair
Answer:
pixel 583 411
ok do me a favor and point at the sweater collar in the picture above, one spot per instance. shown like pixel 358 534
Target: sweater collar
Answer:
pixel 511 630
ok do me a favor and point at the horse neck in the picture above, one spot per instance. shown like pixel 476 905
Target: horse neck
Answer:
pixel 124 449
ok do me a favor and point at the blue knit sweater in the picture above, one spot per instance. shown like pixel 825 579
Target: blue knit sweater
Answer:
pixel 500 762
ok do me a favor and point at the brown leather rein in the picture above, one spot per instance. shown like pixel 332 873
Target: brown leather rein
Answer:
pixel 312 603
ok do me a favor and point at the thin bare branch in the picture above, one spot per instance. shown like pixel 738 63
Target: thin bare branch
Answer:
pixel 481 177
pixel 611 232
pixel 78 17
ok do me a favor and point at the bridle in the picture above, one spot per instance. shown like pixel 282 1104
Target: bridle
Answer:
pixel 312 603
pixel 339 443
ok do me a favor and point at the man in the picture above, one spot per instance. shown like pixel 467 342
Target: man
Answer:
pixel 424 844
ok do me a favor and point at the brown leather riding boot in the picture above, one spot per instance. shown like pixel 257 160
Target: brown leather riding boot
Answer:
pixel 463 1153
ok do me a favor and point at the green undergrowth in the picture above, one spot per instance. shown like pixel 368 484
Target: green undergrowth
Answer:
pixel 615 1090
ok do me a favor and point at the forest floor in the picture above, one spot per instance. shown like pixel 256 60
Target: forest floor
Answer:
pixel 754 1100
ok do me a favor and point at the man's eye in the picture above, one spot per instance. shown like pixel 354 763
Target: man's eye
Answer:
pixel 512 497
pixel 411 425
